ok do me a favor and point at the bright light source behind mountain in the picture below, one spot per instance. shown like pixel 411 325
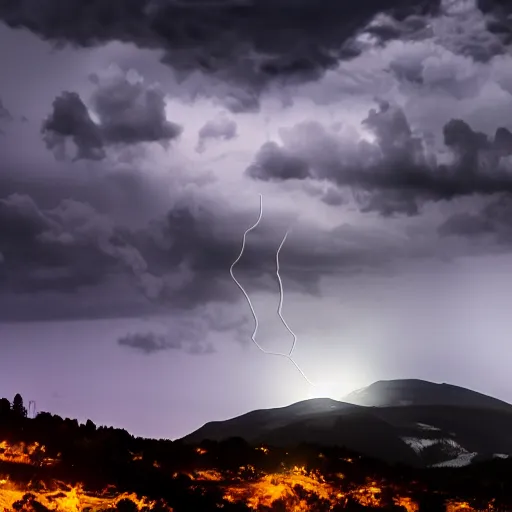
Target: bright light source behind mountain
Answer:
pixel 341 376
pixel 335 390
pixel 324 390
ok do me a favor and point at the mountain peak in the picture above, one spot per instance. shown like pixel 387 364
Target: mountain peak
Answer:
pixel 404 392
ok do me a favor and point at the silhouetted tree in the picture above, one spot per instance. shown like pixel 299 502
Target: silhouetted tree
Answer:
pixel 90 427
pixel 70 424
pixel 17 407
pixel 44 416
pixel 5 407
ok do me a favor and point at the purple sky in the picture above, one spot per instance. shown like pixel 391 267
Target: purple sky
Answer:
pixel 134 144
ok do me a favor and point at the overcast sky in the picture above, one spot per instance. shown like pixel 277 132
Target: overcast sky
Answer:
pixel 135 139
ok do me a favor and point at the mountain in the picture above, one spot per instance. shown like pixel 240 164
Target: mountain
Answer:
pixel 413 422
pixel 406 392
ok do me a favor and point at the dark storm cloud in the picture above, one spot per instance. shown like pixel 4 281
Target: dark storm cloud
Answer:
pixel 475 33
pixel 333 197
pixel 61 249
pixel 273 162
pixel 151 342
pixel 189 235
pixel 114 190
pixel 70 119
pixel 240 101
pixel 176 259
pixel 73 245
pixel 247 43
pixel 499 18
pixel 179 260
pixel 494 219
pixel 189 331
pixel 128 113
pixel 396 171
pixel 221 128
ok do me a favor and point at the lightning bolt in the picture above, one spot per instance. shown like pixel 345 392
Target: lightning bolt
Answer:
pixel 281 298
pixel 281 295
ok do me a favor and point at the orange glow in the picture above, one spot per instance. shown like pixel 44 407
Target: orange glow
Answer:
pixel 296 487
pixel 22 453
pixel 282 486
pixel 212 476
pixel 407 503
pixel 459 506
pixel 62 497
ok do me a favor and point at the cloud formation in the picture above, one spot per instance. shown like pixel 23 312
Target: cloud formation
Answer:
pixel 70 119
pixel 63 248
pixel 492 220
pixel 151 342
pixel 175 259
pixel 128 112
pixel 189 331
pixel 250 44
pixel 178 260
pixel 220 128
pixel 404 156
pixel 275 163
pixel 396 170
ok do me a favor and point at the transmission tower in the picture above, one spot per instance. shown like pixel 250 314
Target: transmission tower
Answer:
pixel 32 409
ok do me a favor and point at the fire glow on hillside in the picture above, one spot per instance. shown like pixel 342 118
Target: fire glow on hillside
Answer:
pixel 62 497
pixel 293 489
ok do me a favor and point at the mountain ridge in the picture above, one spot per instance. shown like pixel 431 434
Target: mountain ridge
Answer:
pixel 420 392
pixel 434 427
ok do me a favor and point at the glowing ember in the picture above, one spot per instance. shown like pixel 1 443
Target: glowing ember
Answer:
pixel 62 497
pixel 136 456
pixel 459 506
pixel 368 495
pixel 407 503
pixel 212 476
pixel 272 487
pixel 22 453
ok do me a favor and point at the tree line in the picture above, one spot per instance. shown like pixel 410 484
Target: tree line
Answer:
pixel 104 455
pixel 17 409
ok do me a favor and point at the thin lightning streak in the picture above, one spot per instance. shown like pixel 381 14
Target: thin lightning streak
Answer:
pixel 281 295
pixel 256 323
